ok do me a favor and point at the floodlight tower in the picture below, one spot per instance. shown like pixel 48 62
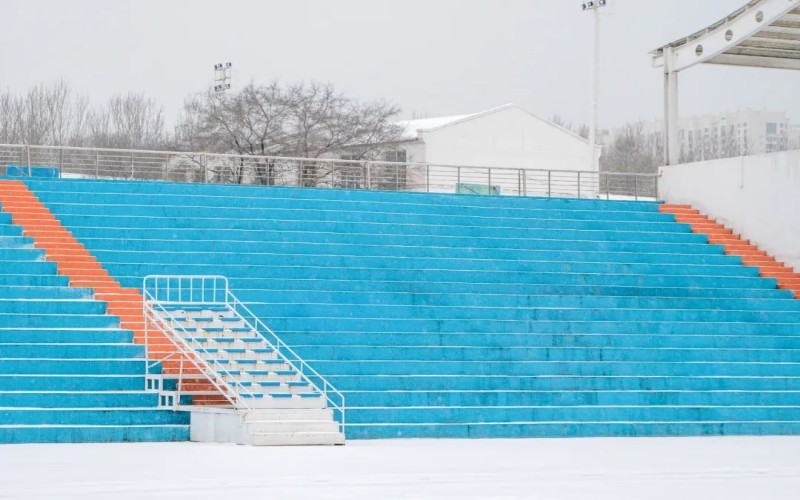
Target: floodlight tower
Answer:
pixel 222 77
pixel 594 7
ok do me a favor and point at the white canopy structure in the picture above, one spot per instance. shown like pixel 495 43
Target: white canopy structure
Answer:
pixel 763 34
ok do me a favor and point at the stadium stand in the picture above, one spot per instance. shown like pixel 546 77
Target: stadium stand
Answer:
pixel 68 373
pixel 471 316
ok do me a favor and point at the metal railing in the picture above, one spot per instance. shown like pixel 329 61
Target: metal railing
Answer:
pixel 167 290
pixel 201 167
pixel 188 348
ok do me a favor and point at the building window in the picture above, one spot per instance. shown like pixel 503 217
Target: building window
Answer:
pixel 772 128
pixel 396 156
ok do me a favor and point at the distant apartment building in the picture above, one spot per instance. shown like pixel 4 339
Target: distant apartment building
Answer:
pixel 734 133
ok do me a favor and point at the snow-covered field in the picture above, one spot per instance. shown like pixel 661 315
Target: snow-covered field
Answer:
pixel 585 469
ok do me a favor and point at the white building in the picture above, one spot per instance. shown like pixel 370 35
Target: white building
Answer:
pixel 504 150
pixel 721 135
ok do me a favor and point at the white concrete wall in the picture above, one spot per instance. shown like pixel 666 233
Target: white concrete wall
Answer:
pixel 506 140
pixel 510 138
pixel 756 196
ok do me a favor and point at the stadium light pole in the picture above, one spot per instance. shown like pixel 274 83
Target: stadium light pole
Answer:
pixel 594 7
pixel 222 77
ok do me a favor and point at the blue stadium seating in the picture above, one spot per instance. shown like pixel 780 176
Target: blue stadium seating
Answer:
pixel 471 316
pixel 68 373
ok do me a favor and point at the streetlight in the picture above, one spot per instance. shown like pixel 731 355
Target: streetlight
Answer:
pixel 594 7
pixel 222 77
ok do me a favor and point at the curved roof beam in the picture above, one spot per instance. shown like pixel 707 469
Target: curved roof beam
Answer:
pixel 763 33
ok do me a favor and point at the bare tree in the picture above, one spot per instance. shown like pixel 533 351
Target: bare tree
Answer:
pixel 633 151
pixel 57 115
pixel 302 120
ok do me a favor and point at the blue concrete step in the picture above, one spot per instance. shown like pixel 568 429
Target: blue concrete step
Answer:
pixel 72 351
pixel 21 254
pixel 359 299
pixel 505 398
pixel 201 229
pixel 75 383
pixel 111 246
pixel 50 321
pixel 454 263
pixel 587 354
pixel 505 340
pixel 567 368
pixel 29 366
pixel 504 241
pixel 17 267
pixel 432 313
pixel 184 240
pixel 251 288
pixel 455 275
pixel 212 218
pixel 348 325
pixel 609 414
pixel 55 335
pixel 421 382
pixel 44 292
pixel 92 416
pixel 33 279
pixel 570 429
pixel 16 242
pixel 44 306
pixel 83 399
pixel 93 433
pixel 282 209
pixel 9 230
pixel 273 193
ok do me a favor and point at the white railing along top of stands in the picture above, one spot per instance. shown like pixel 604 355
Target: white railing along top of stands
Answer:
pixel 210 290
pixel 182 166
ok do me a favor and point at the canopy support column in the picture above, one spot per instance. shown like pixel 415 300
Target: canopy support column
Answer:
pixel 672 145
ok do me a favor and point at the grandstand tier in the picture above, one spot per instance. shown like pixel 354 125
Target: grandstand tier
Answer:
pixel 470 316
pixel 68 372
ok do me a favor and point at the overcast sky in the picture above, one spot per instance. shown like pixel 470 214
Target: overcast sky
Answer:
pixel 431 57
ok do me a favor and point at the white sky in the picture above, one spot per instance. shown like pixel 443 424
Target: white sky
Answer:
pixel 432 57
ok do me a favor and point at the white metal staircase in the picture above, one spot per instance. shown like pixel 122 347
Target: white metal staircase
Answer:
pixel 269 395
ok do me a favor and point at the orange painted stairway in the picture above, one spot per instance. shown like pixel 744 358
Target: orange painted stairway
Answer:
pixel 751 255
pixel 84 271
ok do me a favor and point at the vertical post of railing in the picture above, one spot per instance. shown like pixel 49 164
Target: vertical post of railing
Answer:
pixel 179 382
pixel 368 175
pixel 397 177
pixel 60 161
pixel 635 187
pixel 458 177
pixel 133 174
pixel 300 173
pixel 656 188
pixel 519 181
pixel 525 182
pixel 549 184
pixel 204 166
pixel 427 177
pixel 28 158
pixel 490 181
pixel 146 338
pixel 608 186
pixel 96 163
pixel 579 183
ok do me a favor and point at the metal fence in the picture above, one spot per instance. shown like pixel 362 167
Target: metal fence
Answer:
pixel 101 163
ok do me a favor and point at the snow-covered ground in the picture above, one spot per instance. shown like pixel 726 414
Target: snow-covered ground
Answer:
pixel 585 469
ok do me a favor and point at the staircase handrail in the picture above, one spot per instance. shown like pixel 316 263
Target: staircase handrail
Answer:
pixel 210 372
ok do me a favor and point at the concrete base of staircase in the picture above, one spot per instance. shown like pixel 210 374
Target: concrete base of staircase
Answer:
pixel 283 427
